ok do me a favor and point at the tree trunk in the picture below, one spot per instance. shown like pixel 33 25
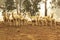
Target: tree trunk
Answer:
pixel 45 8
pixel 17 6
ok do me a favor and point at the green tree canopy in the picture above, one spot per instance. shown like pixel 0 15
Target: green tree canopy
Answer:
pixel 27 5
pixel 9 4
pixel 31 6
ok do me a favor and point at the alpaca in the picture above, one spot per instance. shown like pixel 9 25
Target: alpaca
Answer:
pixel 34 20
pixel 49 21
pixel 44 21
pixel 40 21
pixel 53 22
pixel 5 17
pixel 18 18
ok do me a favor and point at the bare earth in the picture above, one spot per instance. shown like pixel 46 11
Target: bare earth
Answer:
pixel 29 32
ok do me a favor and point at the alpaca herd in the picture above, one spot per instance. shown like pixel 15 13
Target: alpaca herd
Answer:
pixel 18 19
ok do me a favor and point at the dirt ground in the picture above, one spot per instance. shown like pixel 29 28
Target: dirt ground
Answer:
pixel 29 32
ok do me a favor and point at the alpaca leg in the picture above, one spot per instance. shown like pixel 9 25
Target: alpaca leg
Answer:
pixel 46 22
pixel 13 22
pixel 54 23
pixel 42 23
pixel 51 23
pixel 9 21
pixel 18 22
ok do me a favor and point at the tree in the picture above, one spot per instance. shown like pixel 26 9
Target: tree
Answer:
pixel 35 8
pixel 58 3
pixel 27 5
pixel 9 4
pixel 31 6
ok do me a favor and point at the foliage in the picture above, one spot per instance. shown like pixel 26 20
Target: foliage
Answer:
pixel 35 3
pixel 58 3
pixel 9 4
pixel 27 5
pixel 32 8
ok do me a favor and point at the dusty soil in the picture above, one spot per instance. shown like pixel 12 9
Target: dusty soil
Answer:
pixel 29 32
